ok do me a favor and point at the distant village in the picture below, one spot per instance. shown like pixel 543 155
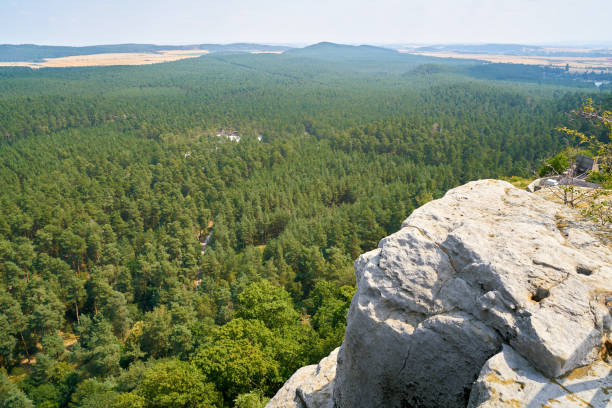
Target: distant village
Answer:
pixel 232 135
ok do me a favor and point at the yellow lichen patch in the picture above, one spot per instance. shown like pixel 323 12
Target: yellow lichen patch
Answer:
pixel 514 403
pixel 578 373
pixel 492 378
pixel 498 399
pixel 606 350
pixel 606 390
pixel 573 397
pixel 579 401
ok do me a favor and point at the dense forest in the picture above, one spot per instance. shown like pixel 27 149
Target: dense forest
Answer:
pixel 148 260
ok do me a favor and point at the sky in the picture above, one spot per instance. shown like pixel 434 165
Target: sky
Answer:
pixel 88 22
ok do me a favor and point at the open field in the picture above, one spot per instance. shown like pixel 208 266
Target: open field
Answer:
pixel 110 59
pixel 266 52
pixel 576 64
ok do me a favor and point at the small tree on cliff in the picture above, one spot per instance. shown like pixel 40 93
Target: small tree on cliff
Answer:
pixel 602 149
pixel 598 207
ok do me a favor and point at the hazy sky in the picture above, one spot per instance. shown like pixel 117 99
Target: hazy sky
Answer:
pixel 81 22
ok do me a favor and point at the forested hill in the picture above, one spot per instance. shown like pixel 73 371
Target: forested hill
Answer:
pixel 37 53
pixel 112 179
pixel 341 51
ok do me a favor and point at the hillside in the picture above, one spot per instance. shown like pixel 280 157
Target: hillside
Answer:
pixel 332 50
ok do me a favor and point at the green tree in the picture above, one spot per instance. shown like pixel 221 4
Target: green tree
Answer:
pixel 177 384
pixel 253 399
pixel 556 165
pixel 45 396
pixel 53 345
pixel 129 400
pixel 7 341
pixel 98 349
pixel 92 393
pixel 10 395
pixel 156 339
pixel 268 303
pixel 44 310
pixel 599 204
pixel 12 322
pixel 238 357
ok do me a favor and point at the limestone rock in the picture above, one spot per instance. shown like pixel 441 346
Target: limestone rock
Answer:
pixel 308 387
pixel 489 295
pixel 508 380
pixel 287 396
pixel 485 265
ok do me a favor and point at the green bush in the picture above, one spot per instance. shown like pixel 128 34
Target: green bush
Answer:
pixel 253 399
pixel 556 165
pixel 602 178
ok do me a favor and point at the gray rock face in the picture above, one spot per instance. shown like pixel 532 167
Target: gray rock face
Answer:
pixel 487 284
pixel 308 387
pixel 508 380
pixel 484 265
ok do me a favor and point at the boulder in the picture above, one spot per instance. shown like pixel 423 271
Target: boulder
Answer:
pixel 308 387
pixel 491 296
pixel 484 266
pixel 508 380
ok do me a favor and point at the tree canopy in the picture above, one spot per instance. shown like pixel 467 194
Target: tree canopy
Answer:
pixel 148 260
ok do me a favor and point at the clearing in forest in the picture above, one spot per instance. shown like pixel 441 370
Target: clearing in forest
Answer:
pixel 127 58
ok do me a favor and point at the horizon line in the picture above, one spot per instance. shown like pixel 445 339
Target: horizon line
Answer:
pixel 570 44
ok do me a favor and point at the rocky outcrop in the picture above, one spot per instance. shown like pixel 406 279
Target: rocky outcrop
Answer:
pixel 487 267
pixel 508 380
pixel 308 387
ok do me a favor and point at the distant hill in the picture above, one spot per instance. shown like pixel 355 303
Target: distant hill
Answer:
pixel 37 53
pixel 516 49
pixel 333 50
pixel 242 47
pixel 326 50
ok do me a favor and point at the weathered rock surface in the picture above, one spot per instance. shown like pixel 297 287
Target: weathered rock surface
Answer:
pixel 486 267
pixel 308 387
pixel 482 266
pixel 508 380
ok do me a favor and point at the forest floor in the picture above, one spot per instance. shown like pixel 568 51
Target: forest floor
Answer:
pixel 127 58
